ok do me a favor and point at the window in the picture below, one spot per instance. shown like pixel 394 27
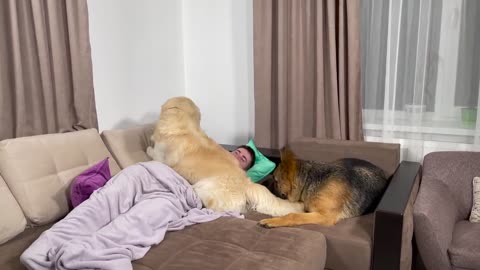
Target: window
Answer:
pixel 420 57
pixel 420 73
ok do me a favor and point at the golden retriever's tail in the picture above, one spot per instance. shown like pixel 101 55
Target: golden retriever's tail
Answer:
pixel 260 199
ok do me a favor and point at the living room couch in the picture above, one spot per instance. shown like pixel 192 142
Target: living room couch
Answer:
pixel 35 174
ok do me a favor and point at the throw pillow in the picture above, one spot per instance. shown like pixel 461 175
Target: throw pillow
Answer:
pixel 88 181
pixel 262 166
pixel 475 215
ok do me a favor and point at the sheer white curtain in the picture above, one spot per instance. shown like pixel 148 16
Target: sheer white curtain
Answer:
pixel 420 74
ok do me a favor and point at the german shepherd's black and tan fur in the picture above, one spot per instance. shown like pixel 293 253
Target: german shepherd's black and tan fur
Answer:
pixel 330 191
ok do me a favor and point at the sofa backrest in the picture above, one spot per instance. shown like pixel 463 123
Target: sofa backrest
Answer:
pixel 12 220
pixel 128 146
pixel 384 155
pixel 38 170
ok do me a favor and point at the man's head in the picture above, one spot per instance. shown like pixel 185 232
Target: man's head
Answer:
pixel 245 156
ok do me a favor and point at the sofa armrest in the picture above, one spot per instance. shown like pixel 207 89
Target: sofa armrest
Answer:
pixel 393 226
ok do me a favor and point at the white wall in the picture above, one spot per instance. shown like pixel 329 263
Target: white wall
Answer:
pixel 147 51
pixel 137 56
pixel 218 40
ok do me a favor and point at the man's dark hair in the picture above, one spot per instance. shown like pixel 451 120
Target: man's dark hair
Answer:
pixel 252 154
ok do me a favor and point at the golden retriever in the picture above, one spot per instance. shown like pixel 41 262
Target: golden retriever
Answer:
pixel 212 171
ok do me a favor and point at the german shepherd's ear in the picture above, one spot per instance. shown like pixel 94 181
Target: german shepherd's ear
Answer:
pixel 286 153
pixel 287 157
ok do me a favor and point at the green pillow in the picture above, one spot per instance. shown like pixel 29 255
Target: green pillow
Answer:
pixel 262 166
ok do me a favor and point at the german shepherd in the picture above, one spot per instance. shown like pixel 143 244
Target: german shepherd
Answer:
pixel 330 191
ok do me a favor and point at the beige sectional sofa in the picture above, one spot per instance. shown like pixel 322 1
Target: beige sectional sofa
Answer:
pixel 35 174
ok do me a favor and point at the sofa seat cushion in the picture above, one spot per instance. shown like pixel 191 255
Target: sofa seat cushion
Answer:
pixel 220 244
pixel 39 169
pixel 464 250
pixel 10 252
pixel 128 146
pixel 349 242
pixel 232 243
pixel 12 220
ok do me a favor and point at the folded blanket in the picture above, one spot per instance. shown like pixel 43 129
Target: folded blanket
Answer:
pixel 121 221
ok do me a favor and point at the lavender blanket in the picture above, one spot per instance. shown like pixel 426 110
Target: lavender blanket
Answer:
pixel 120 222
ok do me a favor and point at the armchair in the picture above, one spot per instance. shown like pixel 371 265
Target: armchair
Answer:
pixel 444 237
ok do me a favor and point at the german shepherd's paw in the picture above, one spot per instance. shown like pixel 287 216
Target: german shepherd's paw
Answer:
pixel 272 222
pixel 296 219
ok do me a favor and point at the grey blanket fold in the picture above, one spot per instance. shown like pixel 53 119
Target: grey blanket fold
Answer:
pixel 121 221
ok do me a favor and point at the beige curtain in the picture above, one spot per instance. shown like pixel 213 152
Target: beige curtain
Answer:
pixel 307 70
pixel 46 81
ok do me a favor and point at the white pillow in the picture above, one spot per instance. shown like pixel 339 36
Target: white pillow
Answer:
pixel 475 215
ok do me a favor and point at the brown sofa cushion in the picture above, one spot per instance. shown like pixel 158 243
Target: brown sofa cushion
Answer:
pixel 349 243
pixel 39 169
pixel 128 146
pixel 384 155
pixel 12 220
pixel 464 250
pixel 225 243
pixel 10 252
pixel 231 243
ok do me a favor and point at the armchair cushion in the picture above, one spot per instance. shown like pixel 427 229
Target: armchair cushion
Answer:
pixel 475 215
pixel 464 250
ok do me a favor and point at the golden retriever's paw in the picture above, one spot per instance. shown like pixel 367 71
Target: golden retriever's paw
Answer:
pixel 150 152
pixel 299 207
pixel 270 223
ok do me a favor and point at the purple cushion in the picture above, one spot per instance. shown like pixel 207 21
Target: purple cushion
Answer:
pixel 88 181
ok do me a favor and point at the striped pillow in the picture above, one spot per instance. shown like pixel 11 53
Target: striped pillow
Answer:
pixel 475 215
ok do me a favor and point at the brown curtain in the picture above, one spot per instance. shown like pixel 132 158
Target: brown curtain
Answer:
pixel 46 83
pixel 307 70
